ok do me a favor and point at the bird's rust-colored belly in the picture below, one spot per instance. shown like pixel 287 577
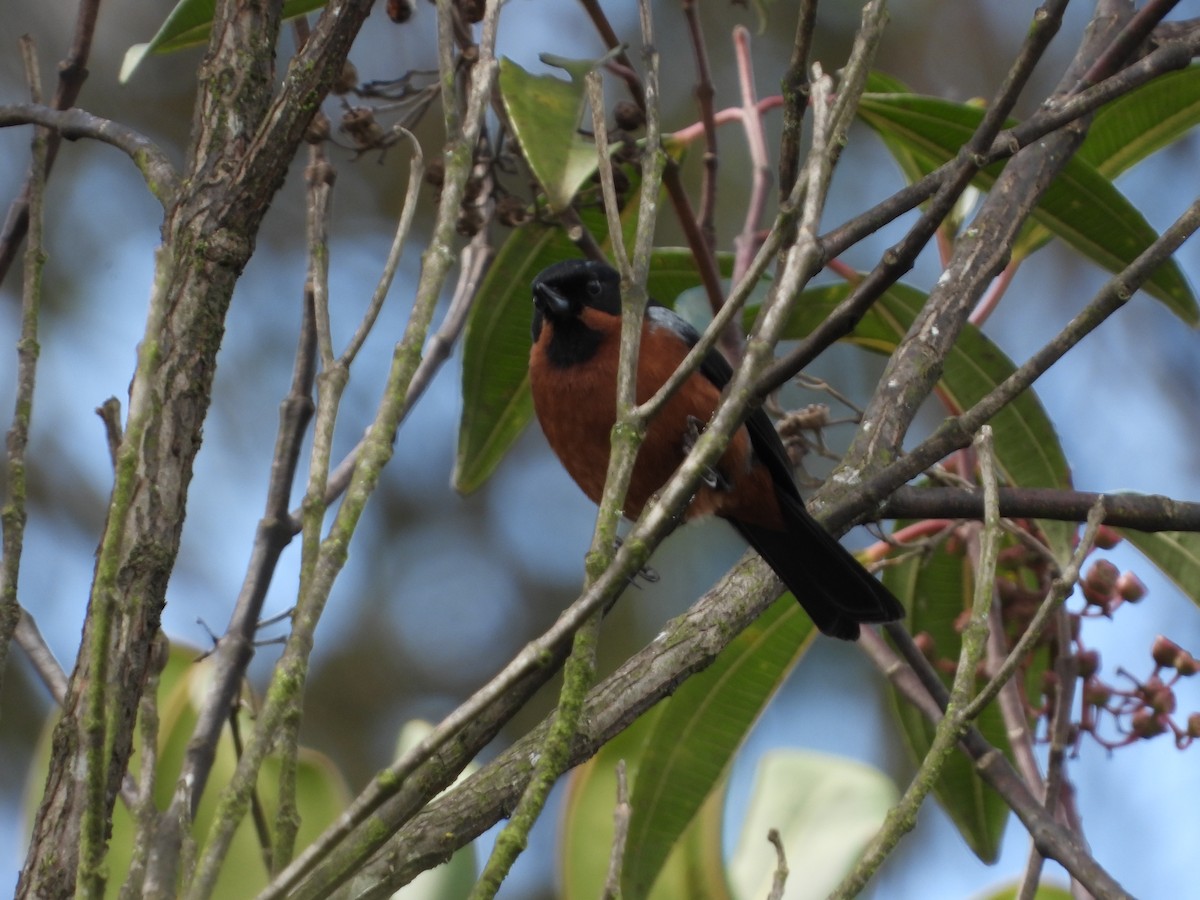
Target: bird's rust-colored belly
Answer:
pixel 577 409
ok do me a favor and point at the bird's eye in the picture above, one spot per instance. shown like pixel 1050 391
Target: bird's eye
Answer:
pixel 594 288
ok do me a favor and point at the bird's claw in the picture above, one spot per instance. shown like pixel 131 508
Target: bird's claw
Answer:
pixel 645 573
pixel 710 476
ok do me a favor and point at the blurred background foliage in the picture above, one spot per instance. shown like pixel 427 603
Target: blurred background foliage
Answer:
pixel 442 589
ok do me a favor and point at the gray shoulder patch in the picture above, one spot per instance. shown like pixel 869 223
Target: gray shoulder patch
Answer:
pixel 661 317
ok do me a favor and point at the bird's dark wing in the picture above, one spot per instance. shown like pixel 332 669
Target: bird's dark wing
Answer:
pixel 832 586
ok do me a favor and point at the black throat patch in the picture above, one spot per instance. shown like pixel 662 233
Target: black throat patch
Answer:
pixel 571 342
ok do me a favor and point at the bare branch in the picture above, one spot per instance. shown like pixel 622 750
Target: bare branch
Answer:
pixel 161 176
pixel 72 72
pixel 954 433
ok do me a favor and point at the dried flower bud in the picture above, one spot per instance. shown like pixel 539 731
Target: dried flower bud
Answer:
pixel 1096 693
pixel 318 129
pixel 400 11
pixel 1186 664
pixel 628 116
pixel 1159 697
pixel 1145 724
pixel 1165 652
pixel 1107 538
pixel 1193 725
pixel 1100 582
pixel 511 212
pixel 346 81
pixel 470 220
pixel 1102 576
pixel 435 173
pixel 1089 663
pixel 1130 587
pixel 359 122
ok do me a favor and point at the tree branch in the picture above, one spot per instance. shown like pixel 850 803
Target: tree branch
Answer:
pixel 954 433
pixel 1141 512
pixel 161 176
pixel 72 72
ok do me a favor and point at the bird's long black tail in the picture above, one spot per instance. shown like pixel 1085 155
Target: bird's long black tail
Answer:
pixel 831 585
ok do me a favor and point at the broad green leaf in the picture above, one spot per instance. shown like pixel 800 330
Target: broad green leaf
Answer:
pixel 1081 206
pixel 321 793
pixel 698 732
pixel 495 378
pixel 694 869
pixel 1142 122
pixel 826 809
pixel 1044 892
pixel 1129 129
pixel 544 112
pixel 189 24
pixel 936 590
pixel 673 270
pixel 1028 451
pixel 1175 553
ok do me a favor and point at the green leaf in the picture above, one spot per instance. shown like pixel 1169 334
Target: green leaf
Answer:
pixel 321 792
pixel 1044 892
pixel 495 378
pixel 694 869
pixel 1081 205
pixel 544 112
pixel 1028 451
pixel 935 590
pixel 699 731
pixel 1175 553
pixel 188 25
pixel 673 270
pixel 1142 122
pixel 826 809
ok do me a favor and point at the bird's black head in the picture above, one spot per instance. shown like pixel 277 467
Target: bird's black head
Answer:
pixel 561 291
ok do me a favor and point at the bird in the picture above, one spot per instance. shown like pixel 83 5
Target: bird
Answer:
pixel 573 363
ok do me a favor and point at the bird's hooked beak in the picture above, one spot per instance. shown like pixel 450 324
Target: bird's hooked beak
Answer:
pixel 551 303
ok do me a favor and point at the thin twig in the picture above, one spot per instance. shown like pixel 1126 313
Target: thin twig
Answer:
pixel 706 261
pixel 580 670
pixel 1141 512
pixel 956 177
pixel 779 879
pixel 160 174
pixel 622 812
pixel 795 96
pixel 902 817
pixel 756 141
pixel 464 131
pixel 14 513
pixel 72 72
pixel 416 173
pixel 705 94
pixel 145 812
pixel 1060 590
pixel 954 433
pixel 37 651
